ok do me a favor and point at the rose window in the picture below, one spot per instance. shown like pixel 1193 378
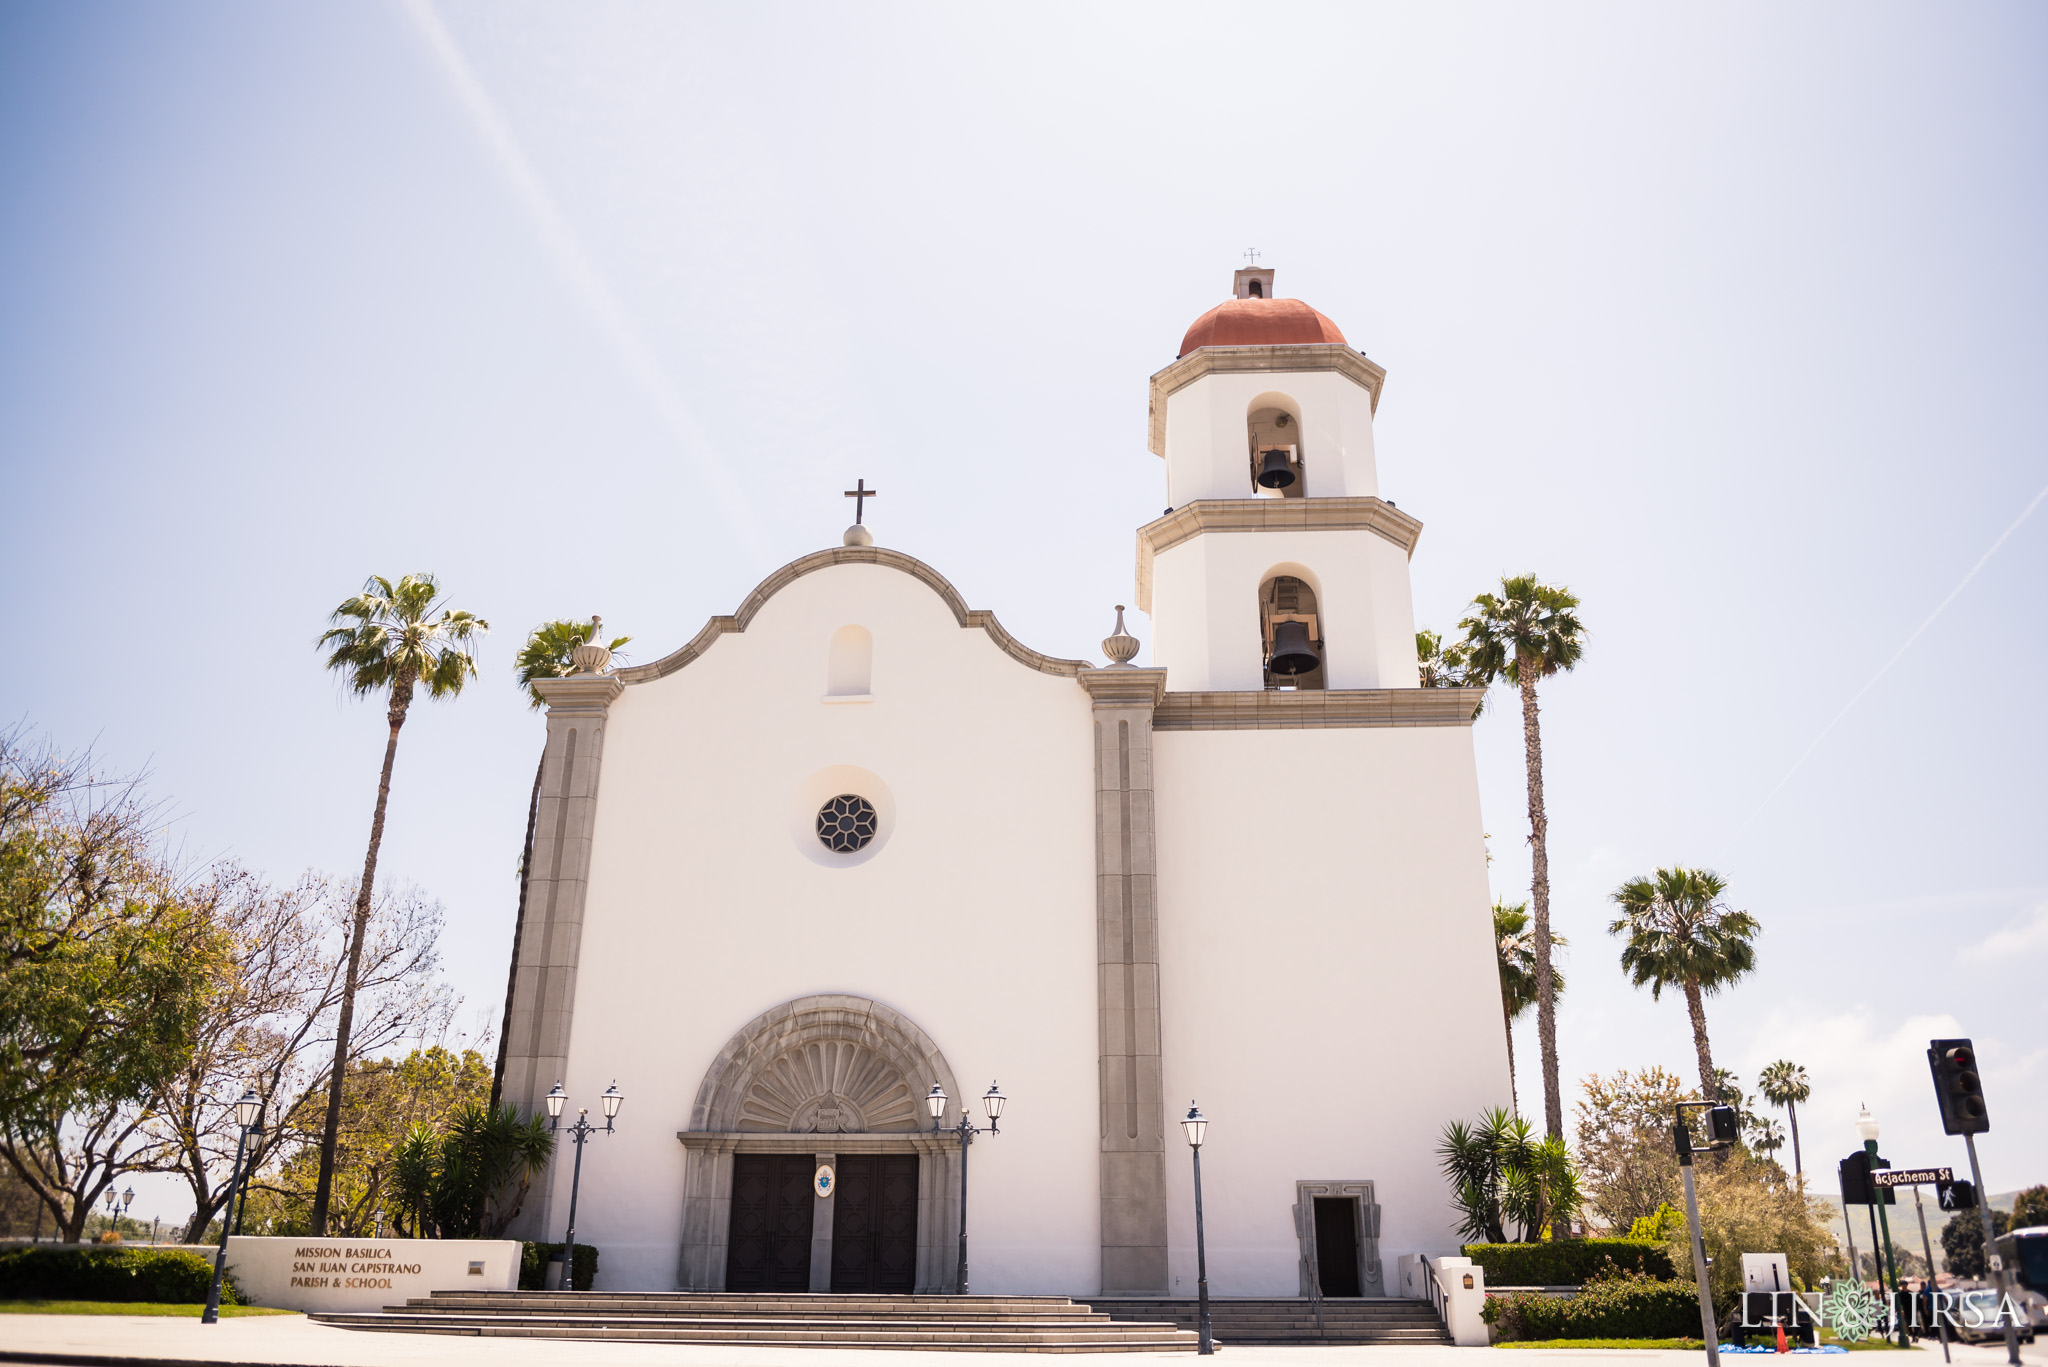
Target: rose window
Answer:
pixel 847 823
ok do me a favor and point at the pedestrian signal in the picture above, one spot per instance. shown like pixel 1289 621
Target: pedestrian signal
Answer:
pixel 1956 1195
pixel 1721 1123
pixel 1957 1087
pixel 1857 1189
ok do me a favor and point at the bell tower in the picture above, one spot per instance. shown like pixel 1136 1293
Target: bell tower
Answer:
pixel 1277 565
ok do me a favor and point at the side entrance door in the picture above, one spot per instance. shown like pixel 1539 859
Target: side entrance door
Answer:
pixel 769 1247
pixel 874 1224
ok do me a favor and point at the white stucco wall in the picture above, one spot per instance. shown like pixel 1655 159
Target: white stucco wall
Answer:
pixel 1327 979
pixel 1205 607
pixel 1206 437
pixel 975 917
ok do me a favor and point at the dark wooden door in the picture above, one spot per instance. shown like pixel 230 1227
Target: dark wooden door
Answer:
pixel 874 1224
pixel 769 1244
pixel 1337 1244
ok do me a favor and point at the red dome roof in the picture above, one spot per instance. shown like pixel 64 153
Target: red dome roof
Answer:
pixel 1260 322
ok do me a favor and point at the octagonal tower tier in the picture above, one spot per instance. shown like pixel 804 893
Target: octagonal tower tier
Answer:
pixel 1277 564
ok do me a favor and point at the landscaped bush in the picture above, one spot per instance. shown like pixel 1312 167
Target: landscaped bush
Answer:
pixel 1573 1262
pixel 1623 1308
pixel 534 1260
pixel 109 1273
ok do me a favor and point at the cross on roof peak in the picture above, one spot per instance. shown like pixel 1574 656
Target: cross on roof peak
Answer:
pixel 1251 256
pixel 860 494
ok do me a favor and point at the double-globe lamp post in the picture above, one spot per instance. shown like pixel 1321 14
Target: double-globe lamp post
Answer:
pixel 1197 1125
pixel 249 1116
pixel 579 1132
pixel 1866 1130
pixel 992 1102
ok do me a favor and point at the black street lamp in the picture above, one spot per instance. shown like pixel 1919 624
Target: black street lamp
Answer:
pixel 248 1115
pixel 1196 1124
pixel 579 1132
pixel 992 1102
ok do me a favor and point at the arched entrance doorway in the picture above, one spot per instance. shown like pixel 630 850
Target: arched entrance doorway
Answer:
pixel 824 1082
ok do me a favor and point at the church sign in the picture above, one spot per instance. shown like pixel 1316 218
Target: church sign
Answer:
pixel 366 1274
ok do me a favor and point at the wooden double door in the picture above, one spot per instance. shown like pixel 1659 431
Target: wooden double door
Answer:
pixel 774 1211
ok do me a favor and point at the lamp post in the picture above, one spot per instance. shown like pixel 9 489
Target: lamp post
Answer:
pixel 579 1132
pixel 1866 1129
pixel 127 1200
pixel 1721 1124
pixel 992 1102
pixel 1196 1124
pixel 248 1115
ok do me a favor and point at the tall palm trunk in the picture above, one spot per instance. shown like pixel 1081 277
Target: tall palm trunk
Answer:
pixel 1539 871
pixel 1798 1168
pixel 330 1135
pixel 1696 1006
pixel 518 929
pixel 1514 1101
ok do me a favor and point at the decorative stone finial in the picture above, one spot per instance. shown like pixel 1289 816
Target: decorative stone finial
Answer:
pixel 857 535
pixel 1122 647
pixel 593 656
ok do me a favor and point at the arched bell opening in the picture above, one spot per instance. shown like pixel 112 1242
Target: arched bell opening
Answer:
pixel 1273 439
pixel 1290 628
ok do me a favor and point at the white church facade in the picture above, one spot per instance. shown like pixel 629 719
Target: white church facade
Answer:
pixel 855 840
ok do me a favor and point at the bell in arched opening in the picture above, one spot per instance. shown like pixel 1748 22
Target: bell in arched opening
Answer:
pixel 1291 634
pixel 1276 471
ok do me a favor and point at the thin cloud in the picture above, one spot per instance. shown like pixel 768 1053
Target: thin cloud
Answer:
pixel 586 283
pixel 2026 934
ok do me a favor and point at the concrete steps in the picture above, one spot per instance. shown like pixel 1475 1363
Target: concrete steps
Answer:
pixel 1029 1324
pixel 1282 1320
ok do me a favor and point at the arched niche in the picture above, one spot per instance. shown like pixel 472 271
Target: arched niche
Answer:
pixel 1273 423
pixel 850 665
pixel 820 1076
pixel 1291 593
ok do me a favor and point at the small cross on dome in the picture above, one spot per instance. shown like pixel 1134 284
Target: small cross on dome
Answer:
pixel 1251 256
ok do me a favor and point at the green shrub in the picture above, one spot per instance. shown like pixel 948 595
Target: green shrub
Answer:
pixel 534 1260
pixel 1573 1262
pixel 1623 1308
pixel 109 1272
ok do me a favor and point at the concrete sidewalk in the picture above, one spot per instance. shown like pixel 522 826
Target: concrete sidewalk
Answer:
pixel 289 1341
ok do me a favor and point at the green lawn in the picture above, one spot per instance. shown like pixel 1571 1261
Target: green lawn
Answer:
pixel 127 1308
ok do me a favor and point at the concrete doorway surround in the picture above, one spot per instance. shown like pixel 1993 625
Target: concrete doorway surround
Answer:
pixel 820 1076
pixel 1318 1207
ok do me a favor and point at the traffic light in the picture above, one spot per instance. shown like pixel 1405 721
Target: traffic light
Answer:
pixel 1721 1123
pixel 1856 1186
pixel 1957 1087
pixel 1956 1195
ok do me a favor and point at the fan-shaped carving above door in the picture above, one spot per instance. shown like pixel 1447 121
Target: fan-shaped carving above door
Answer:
pixel 828 1064
pixel 830 1087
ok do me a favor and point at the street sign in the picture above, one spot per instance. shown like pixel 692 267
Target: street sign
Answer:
pixel 1911 1177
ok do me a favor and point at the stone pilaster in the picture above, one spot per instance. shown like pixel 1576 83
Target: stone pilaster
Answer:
pixel 551 940
pixel 1133 1114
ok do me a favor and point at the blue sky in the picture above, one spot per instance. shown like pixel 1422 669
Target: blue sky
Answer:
pixel 1730 318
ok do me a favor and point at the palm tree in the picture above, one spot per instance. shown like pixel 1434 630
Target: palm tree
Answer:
pixel 1680 934
pixel 1784 1083
pixel 549 653
pixel 1515 949
pixel 388 639
pixel 1527 632
pixel 1765 1137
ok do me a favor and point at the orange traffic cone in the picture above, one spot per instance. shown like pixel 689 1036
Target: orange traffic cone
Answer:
pixel 1783 1346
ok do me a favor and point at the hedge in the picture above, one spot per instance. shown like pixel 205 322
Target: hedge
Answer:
pixel 1628 1308
pixel 534 1260
pixel 1572 1262
pixel 109 1272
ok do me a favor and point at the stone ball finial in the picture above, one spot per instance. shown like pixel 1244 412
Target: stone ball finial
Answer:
pixel 857 535
pixel 1121 647
pixel 593 656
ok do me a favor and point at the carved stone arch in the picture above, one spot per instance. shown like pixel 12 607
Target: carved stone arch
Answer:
pixel 787 1062
pixel 821 1075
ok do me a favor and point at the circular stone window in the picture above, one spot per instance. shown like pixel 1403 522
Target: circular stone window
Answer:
pixel 847 823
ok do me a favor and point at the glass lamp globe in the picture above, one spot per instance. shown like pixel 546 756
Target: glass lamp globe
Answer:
pixel 935 1102
pixel 127 1198
pixel 612 1098
pixel 1196 1124
pixel 248 1108
pixel 556 1100
pixel 992 1101
pixel 1866 1125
